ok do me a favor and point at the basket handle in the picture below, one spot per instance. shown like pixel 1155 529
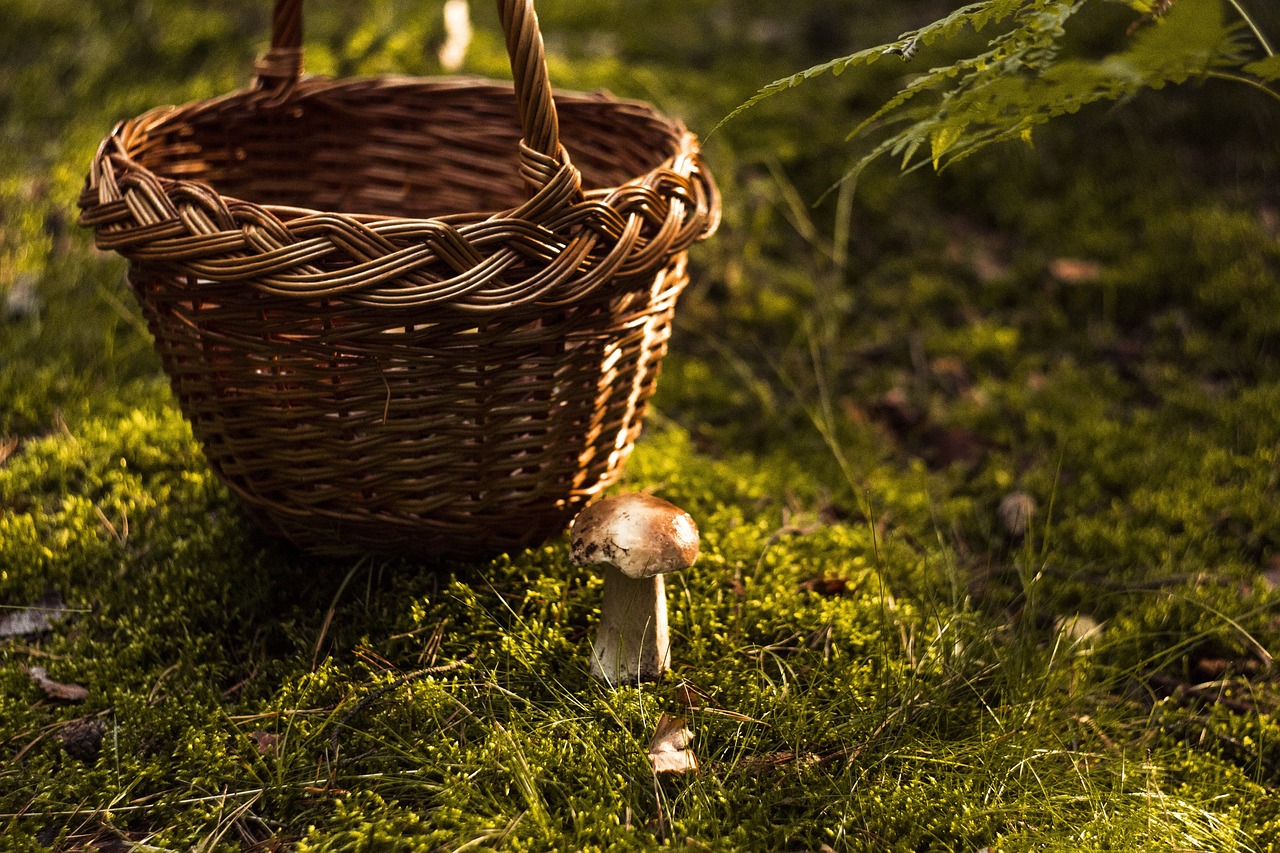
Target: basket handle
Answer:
pixel 544 163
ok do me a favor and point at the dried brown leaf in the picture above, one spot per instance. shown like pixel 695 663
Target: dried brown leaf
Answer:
pixel 950 373
pixel 266 742
pixel 83 738
pixel 827 587
pixel 897 412
pixel 669 749
pixel 1076 270
pixel 683 761
pixel 57 689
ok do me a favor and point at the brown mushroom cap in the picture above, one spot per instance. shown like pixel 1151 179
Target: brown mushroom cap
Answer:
pixel 641 535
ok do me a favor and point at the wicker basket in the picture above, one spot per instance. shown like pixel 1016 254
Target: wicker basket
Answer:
pixel 399 315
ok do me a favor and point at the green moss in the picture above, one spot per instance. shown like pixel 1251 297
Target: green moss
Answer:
pixel 878 661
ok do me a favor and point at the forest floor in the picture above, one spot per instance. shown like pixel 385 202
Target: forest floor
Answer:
pixel 986 464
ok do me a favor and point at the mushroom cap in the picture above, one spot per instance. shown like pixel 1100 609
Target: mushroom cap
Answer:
pixel 639 534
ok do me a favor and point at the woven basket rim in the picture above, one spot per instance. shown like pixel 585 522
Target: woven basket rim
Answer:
pixel 559 245
pixel 563 250
pixel 314 86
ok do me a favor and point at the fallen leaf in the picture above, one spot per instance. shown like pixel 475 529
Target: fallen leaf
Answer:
pixel 853 411
pixel 36 618
pixel 940 446
pixel 1214 668
pixel 266 741
pixel 982 251
pixel 826 587
pixel 834 513
pixel 1269 219
pixel 683 761
pixel 83 738
pixel 669 750
pixel 56 689
pixel 671 734
pixel 1075 270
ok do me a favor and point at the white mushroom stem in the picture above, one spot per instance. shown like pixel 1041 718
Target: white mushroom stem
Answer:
pixel 632 643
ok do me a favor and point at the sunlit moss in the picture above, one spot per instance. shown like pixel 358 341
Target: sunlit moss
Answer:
pixel 870 659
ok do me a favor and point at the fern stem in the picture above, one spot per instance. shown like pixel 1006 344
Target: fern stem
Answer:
pixel 1257 32
pixel 1248 81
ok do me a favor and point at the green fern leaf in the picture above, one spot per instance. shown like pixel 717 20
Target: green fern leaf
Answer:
pixel 835 66
pixel 1267 70
pixel 1020 82
pixel 975 16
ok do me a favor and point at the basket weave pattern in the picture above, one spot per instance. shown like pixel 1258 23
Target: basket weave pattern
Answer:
pixel 399 313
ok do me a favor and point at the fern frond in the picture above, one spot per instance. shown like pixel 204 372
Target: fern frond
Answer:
pixel 975 16
pixel 1021 79
pixel 1189 42
pixel 835 67
pixel 1266 70
pixel 1031 43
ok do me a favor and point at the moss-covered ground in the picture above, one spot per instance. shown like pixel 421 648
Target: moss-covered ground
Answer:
pixel 878 650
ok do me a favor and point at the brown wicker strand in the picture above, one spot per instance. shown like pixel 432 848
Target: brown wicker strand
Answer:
pixel 529 71
pixel 286 25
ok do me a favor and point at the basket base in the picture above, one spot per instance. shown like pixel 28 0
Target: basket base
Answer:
pixel 428 539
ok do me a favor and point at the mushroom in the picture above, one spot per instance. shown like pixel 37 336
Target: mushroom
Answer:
pixel 637 538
